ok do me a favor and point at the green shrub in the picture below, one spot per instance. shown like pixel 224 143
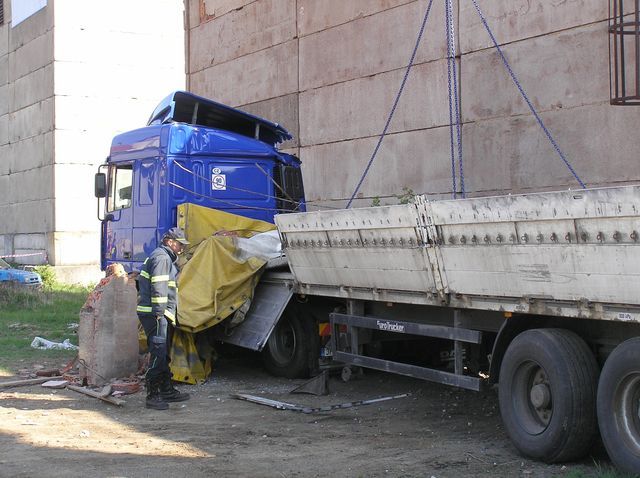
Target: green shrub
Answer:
pixel 48 275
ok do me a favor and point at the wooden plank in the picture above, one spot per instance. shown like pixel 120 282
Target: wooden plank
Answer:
pixel 98 395
pixel 28 381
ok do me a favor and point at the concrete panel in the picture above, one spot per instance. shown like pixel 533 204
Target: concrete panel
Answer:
pixel 4 38
pixel 5 159
pixel 75 203
pixel 559 70
pixel 106 80
pixel 314 16
pixel 26 186
pixel 90 147
pixel 27 154
pixel 518 19
pixel 193 13
pixel 6 92
pixel 360 108
pixel 4 132
pixel 31 256
pixel 259 76
pixel 76 248
pixel 30 241
pixel 282 110
pixel 418 160
pixel 154 17
pixel 33 88
pixel 4 69
pixel 116 115
pixel 370 45
pixel 36 25
pixel 257 26
pixel 216 8
pixel 513 155
pixel 101 48
pixel 32 216
pixel 31 121
pixel 32 56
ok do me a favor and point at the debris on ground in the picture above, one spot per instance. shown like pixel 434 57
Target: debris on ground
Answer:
pixel 44 344
pixel 26 382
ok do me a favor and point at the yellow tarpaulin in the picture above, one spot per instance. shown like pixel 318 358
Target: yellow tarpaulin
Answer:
pixel 215 282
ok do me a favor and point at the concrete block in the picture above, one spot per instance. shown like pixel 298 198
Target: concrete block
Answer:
pixel 6 243
pixel 32 56
pixel 314 16
pixel 33 88
pixel 107 332
pixel 75 204
pixel 257 26
pixel 515 20
pixel 6 160
pixel 83 275
pixel 513 155
pixel 370 45
pixel 36 25
pixel 282 110
pixel 30 256
pixel 259 76
pixel 31 121
pixel 360 108
pixel 559 70
pixel 30 241
pixel 418 160
pixel 72 248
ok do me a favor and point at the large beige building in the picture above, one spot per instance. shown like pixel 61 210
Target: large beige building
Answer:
pixel 329 71
pixel 72 75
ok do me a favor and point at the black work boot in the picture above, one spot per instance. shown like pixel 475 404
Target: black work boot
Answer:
pixel 170 394
pixel 154 398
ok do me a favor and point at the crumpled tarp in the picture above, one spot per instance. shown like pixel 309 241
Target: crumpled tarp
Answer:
pixel 220 276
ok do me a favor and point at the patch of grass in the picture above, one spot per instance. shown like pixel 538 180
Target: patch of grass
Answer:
pixel 600 472
pixel 28 313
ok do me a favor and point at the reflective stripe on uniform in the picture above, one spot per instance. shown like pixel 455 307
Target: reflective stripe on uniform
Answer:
pixel 159 300
pixel 144 308
pixel 170 315
pixel 172 283
pixel 159 278
pixel 144 274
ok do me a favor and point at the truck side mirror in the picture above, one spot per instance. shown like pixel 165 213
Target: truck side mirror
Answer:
pixel 100 185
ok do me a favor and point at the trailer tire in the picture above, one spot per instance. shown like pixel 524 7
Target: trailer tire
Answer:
pixel 618 405
pixel 547 394
pixel 289 351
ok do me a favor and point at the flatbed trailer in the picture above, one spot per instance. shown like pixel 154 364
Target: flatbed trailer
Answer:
pixel 538 292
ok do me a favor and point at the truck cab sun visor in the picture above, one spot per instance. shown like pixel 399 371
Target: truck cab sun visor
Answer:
pixel 183 107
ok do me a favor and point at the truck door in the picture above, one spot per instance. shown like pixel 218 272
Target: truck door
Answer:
pixel 117 225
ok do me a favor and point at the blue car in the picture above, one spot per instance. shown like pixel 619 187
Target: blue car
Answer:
pixel 17 276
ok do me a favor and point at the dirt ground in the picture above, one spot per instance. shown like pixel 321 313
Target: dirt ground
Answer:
pixel 437 431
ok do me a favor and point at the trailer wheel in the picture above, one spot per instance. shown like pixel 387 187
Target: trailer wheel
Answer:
pixel 547 394
pixel 289 350
pixel 619 405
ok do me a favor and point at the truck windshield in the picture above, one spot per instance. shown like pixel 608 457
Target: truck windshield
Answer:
pixel 120 182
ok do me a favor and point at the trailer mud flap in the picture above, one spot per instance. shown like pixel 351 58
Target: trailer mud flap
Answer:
pixel 269 301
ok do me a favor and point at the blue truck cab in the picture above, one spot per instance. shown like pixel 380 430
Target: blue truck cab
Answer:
pixel 192 150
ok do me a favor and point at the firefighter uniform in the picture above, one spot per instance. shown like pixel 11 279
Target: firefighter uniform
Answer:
pixel 157 311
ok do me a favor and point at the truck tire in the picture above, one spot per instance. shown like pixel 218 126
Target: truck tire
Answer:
pixel 547 394
pixel 289 351
pixel 618 406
